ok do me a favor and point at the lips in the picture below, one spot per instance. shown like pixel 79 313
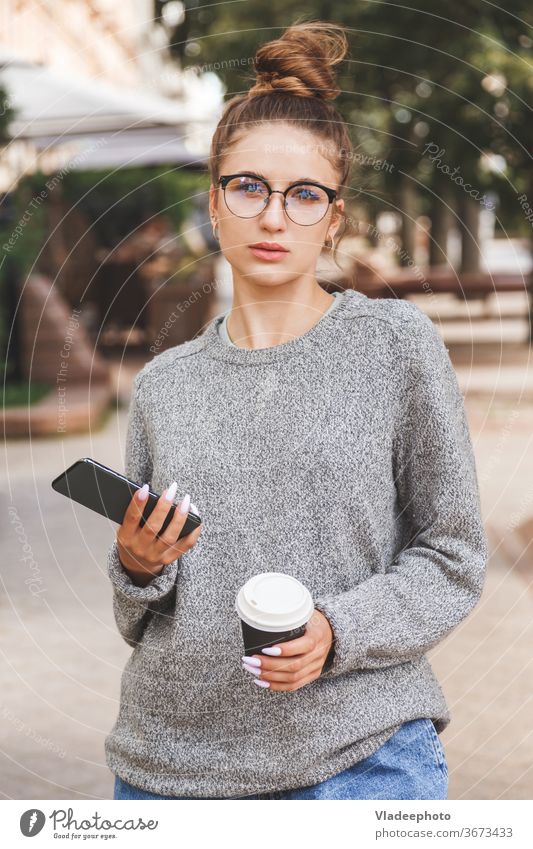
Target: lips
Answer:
pixel 268 254
pixel 269 246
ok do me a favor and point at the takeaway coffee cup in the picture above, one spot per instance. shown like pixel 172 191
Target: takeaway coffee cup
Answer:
pixel 273 608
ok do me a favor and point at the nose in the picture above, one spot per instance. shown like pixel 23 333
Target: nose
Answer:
pixel 273 214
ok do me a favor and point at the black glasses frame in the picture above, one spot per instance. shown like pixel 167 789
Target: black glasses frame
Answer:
pixel 223 182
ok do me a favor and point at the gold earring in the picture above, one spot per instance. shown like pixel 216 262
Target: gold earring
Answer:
pixel 329 246
pixel 215 234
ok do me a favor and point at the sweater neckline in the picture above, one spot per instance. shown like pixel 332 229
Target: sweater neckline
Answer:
pixel 218 348
pixel 222 326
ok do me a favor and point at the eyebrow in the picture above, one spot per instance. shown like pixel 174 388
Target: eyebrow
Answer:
pixel 296 180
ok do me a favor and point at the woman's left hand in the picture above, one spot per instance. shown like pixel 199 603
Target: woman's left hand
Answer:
pixel 299 661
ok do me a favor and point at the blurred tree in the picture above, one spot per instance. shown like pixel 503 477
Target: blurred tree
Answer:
pixel 118 201
pixel 511 78
pixel 6 115
pixel 10 362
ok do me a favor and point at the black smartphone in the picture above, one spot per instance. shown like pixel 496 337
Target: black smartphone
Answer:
pixel 109 493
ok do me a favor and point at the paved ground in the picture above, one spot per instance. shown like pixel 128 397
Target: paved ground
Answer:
pixel 61 656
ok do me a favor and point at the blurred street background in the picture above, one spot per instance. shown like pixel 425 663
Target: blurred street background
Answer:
pixel 107 258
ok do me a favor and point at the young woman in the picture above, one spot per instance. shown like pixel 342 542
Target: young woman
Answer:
pixel 322 436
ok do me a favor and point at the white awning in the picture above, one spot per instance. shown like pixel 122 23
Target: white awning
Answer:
pixel 130 149
pixel 49 104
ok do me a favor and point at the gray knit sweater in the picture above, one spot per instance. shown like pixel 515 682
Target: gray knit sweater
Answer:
pixel 341 457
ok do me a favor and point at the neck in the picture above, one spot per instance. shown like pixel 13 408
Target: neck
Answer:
pixel 264 317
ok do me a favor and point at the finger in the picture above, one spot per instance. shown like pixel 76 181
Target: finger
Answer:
pixel 158 515
pixel 301 645
pixel 287 675
pixel 278 687
pixel 134 511
pixel 291 664
pixel 183 545
pixel 169 537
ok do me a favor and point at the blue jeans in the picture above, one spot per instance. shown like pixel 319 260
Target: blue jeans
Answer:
pixel 410 765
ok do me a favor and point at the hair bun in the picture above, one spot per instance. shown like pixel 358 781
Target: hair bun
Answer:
pixel 301 61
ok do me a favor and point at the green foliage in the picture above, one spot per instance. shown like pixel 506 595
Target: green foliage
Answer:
pixel 118 202
pixel 6 115
pixel 24 233
pixel 22 394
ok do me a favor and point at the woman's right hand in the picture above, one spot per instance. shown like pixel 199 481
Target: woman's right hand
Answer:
pixel 144 554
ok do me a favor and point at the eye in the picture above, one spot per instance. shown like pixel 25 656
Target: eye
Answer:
pixel 306 193
pixel 248 186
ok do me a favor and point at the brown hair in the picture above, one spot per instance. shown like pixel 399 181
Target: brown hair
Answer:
pixel 295 79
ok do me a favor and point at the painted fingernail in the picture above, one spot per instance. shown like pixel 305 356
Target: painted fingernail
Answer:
pixel 142 493
pixel 261 683
pixel 274 650
pixel 171 491
pixel 185 504
pixel 253 669
pixel 253 661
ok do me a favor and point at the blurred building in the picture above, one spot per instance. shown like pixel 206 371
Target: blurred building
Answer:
pixel 120 43
pixel 75 68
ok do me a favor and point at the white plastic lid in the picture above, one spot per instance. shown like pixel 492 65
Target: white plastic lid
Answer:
pixel 274 601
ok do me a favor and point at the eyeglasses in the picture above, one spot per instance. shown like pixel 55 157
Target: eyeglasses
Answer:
pixel 246 195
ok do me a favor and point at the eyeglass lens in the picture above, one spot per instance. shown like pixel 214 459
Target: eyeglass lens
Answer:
pixel 247 197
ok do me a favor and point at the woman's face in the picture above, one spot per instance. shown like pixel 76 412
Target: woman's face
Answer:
pixel 283 155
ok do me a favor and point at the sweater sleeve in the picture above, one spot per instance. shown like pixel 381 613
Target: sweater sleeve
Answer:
pixel 434 582
pixel 134 605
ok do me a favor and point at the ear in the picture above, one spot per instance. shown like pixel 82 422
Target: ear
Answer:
pixel 336 218
pixel 339 204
